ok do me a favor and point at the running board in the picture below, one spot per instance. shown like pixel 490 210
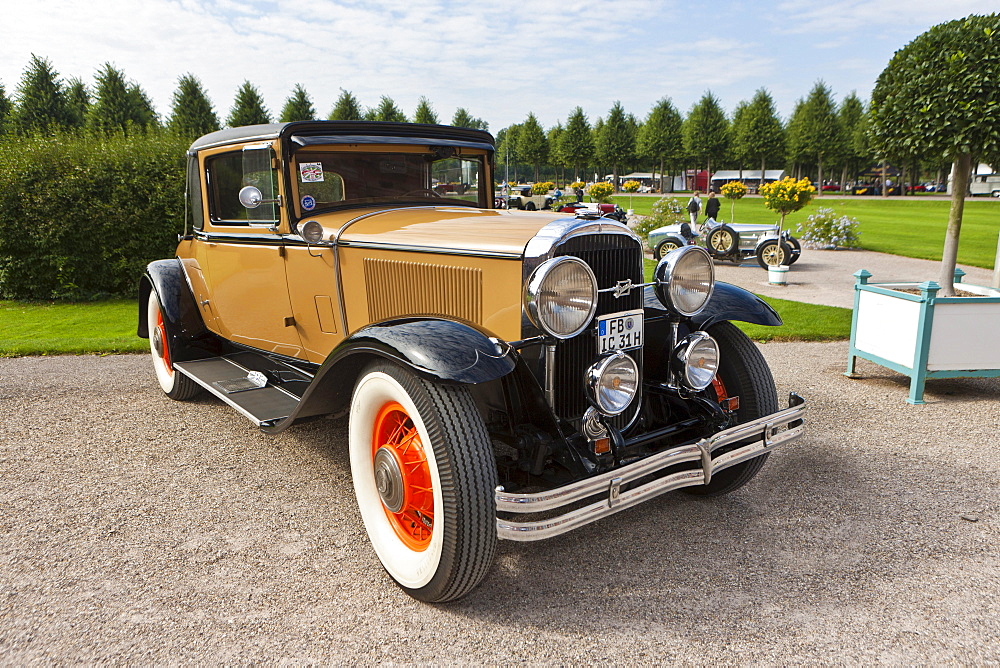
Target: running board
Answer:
pixel 263 389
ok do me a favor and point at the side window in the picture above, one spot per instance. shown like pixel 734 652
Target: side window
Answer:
pixel 229 172
pixel 194 194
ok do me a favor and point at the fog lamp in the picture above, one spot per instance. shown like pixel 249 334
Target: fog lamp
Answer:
pixel 612 383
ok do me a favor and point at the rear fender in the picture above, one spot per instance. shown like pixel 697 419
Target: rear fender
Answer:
pixel 188 338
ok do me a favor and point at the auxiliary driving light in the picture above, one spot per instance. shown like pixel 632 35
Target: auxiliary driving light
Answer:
pixel 698 355
pixel 612 383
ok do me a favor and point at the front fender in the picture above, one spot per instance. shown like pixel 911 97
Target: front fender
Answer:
pixel 728 302
pixel 441 350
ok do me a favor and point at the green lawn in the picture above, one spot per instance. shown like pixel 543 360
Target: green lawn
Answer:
pixel 69 328
pixel 907 226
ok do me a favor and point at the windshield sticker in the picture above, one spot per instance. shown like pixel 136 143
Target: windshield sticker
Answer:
pixel 308 202
pixel 310 172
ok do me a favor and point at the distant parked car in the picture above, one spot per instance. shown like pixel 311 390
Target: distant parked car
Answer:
pixel 733 242
pixel 522 197
pixel 831 187
pixel 612 211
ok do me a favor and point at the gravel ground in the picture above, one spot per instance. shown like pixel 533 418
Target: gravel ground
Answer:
pixel 139 530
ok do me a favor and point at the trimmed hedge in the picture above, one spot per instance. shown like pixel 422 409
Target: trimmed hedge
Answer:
pixel 80 217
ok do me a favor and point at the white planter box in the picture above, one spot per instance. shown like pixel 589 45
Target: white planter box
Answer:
pixel 925 336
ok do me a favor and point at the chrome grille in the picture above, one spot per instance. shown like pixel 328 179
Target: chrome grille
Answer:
pixel 613 258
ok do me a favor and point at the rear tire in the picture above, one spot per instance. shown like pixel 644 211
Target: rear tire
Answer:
pixel 424 477
pixel 174 384
pixel 743 372
pixel 773 253
pixel 796 250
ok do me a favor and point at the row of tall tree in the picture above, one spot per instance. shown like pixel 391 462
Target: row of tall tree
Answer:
pixel 44 103
pixel 820 138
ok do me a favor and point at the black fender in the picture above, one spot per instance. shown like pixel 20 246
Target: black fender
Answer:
pixel 187 336
pixel 728 302
pixel 442 350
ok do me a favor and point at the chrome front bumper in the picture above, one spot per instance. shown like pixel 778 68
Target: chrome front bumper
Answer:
pixel 768 432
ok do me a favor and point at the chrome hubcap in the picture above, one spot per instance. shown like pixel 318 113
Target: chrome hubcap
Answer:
pixel 158 341
pixel 389 480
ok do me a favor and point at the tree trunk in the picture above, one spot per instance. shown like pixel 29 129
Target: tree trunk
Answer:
pixel 885 186
pixel 763 163
pixel 819 177
pixel 843 179
pixel 662 188
pixel 960 175
pixel 614 175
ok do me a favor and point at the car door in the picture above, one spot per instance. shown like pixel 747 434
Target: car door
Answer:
pixel 242 252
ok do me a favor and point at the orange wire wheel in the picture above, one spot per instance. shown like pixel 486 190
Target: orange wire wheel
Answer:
pixel 159 335
pixel 403 476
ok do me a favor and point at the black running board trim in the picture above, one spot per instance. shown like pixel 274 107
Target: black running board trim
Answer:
pixel 263 406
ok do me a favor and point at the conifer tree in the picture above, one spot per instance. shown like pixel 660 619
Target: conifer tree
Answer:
pixel 248 108
pixel 577 144
pixel 853 130
pixel 463 119
pixel 41 105
pixel 5 108
pixel 298 107
pixel 531 144
pixel 119 106
pixel 616 144
pixel 660 139
pixel 820 137
pixel 425 113
pixel 191 114
pixel 346 108
pixel 706 132
pixel 757 134
pixel 78 102
pixel 386 111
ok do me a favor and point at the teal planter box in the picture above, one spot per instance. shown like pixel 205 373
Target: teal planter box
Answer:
pixel 925 336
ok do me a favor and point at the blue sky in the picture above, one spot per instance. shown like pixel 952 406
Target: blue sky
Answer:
pixel 499 60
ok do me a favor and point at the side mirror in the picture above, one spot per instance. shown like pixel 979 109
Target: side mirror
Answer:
pixel 250 197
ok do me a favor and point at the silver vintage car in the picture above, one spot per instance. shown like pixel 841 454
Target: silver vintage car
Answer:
pixel 770 245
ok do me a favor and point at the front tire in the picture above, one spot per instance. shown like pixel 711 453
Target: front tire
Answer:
pixel 530 206
pixel 174 384
pixel 424 477
pixel 665 247
pixel 744 373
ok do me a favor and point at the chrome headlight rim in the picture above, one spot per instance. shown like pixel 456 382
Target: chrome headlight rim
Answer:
pixel 684 353
pixel 533 289
pixel 666 272
pixel 595 378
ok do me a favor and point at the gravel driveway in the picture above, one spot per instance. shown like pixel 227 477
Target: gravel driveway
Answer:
pixel 139 530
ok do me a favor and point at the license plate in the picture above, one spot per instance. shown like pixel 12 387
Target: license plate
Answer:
pixel 619 331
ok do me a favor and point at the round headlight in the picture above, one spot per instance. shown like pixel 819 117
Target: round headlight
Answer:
pixel 561 296
pixel 685 279
pixel 698 355
pixel 612 383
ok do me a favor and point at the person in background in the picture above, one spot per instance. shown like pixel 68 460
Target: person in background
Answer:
pixel 712 206
pixel 557 195
pixel 578 191
pixel 694 208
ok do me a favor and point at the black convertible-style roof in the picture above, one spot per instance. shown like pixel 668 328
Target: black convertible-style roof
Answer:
pixel 446 134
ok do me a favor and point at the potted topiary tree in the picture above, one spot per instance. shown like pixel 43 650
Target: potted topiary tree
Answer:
pixel 787 196
pixel 733 191
pixel 630 187
pixel 938 96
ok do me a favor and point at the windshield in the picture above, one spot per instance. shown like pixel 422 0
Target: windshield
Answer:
pixel 422 175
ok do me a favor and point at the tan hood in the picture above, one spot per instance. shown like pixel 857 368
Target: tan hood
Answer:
pixel 474 231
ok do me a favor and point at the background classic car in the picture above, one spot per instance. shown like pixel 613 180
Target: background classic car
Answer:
pixel 507 375
pixel 734 242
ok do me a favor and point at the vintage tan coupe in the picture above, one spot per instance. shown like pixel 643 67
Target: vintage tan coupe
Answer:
pixel 507 375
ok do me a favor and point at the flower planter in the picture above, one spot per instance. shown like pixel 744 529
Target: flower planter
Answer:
pixel 925 336
pixel 778 275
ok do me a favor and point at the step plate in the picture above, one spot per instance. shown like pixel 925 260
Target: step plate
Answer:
pixel 265 404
